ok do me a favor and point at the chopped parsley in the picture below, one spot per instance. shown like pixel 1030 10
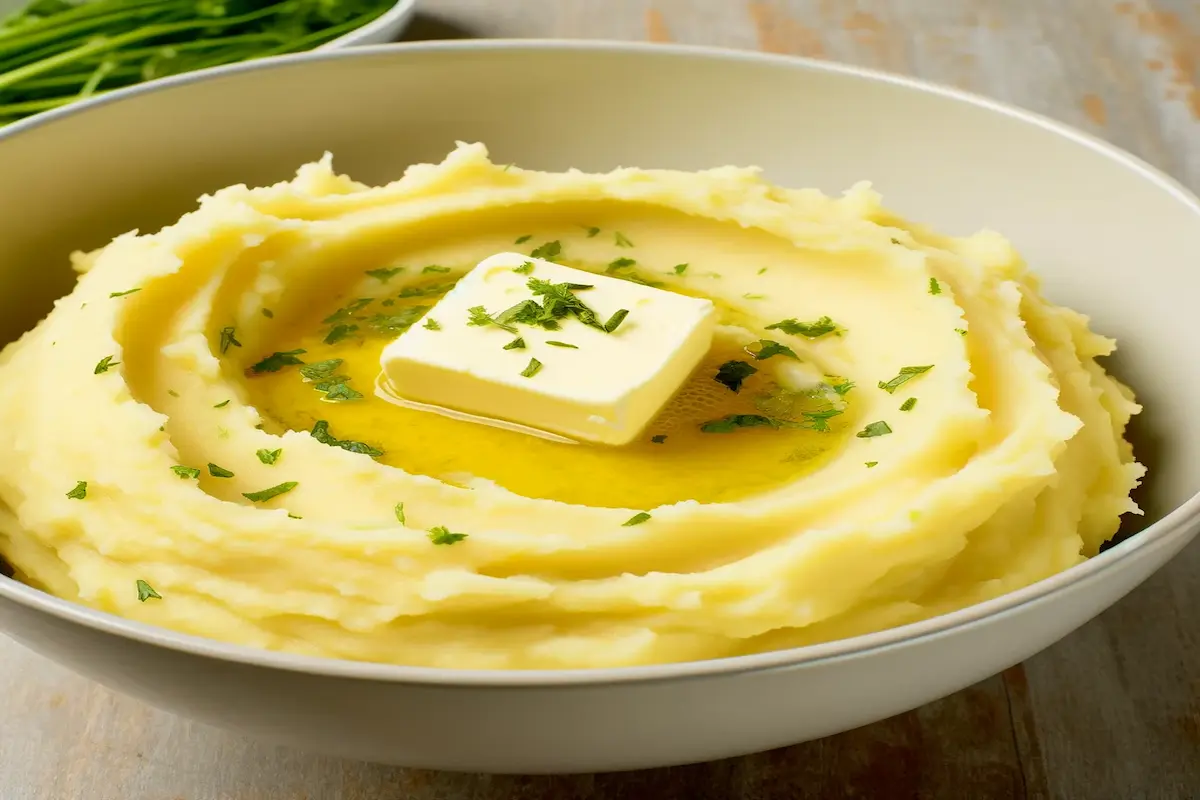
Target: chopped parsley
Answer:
pixel 548 251
pixel 524 269
pixel 908 404
pixel 619 265
pixel 126 292
pixel 146 591
pixel 731 374
pixel 399 322
pixel 591 232
pixel 440 534
pixel 173 393
pixel 79 492
pixel 478 315
pixel 385 274
pixel 874 429
pixel 622 240
pixel 218 472
pixel 432 324
pixel 103 365
pixel 731 422
pixel 761 271
pixel 523 239
pixel 615 320
pixel 337 389
pixel 425 291
pixel 271 493
pixel 185 472
pixel 516 344
pixel 818 420
pixel 387 303
pixel 906 375
pixel 319 370
pixel 268 313
pixel 934 286
pixel 765 348
pixel 750 296
pixel 636 519
pixel 812 330
pixel 533 368
pixel 320 432
pixel 961 331
pixel 277 361
pixel 554 343
pixel 659 439
pixel 871 464
pixel 228 338
pixel 268 457
pixel 221 404
pixel 400 507
pixel 348 311
pixel 339 332
pixel 434 268
pixel 679 269
pixel 840 386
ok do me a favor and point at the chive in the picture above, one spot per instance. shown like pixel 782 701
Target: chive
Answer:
pixel 553 343
pixel 124 293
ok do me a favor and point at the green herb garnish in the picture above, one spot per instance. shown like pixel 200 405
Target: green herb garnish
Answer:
pixel 731 422
pixel 659 439
pixel 320 432
pixel 434 268
pixel 337 389
pixel 636 519
pixel 761 271
pixel 591 232
pixel 402 320
pixel 221 404
pixel 478 315
pixel 873 429
pixel 554 343
pixel 440 534
pixel 268 494
pixel 145 591
pixel 173 393
pixel 113 294
pixel 615 320
pixel 621 240
pixel 906 374
pixel 385 274
pixel 840 386
pixel 908 404
pixel 523 239
pixel 268 313
pixel 619 265
pixel 185 472
pixel 349 311
pixel 424 291
pixel 524 269
pixel 871 464
pixel 399 509
pixel 765 348
pixel 751 296
pixel 228 338
pixel 79 492
pixel 516 344
pixel 961 331
pixel 319 370
pixel 104 364
pixel 533 368
pixel 218 472
pixel 679 269
pixel 339 332
pixel 818 420
pixel 277 361
pixel 432 324
pixel 934 286
pixel 812 330
pixel 547 252
pixel 268 457
pixel 731 374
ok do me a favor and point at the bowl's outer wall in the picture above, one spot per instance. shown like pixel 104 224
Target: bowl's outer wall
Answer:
pixel 1106 239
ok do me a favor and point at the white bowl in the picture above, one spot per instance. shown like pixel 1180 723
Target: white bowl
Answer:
pixel 1110 235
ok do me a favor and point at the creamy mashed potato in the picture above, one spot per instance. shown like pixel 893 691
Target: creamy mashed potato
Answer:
pixel 193 439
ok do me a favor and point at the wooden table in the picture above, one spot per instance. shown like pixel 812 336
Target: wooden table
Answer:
pixel 1111 712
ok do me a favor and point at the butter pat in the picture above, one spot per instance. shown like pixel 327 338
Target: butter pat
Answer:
pixel 606 391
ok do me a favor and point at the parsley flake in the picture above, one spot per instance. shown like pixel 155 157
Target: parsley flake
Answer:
pixel 339 332
pixel 320 432
pixel 812 330
pixel 871 464
pixel 277 361
pixel 432 324
pixel 146 591
pixel 319 370
pixel 440 534
pixel 906 375
pixel 338 390
pixel 79 492
pixel 554 343
pixel 533 368
pixel 659 439
pixel 523 239
pixel 934 286
pixel 268 457
pixel 961 331
pixel 679 269
pixel 731 374
pixel 516 344
pixel 218 472
pixel 524 269
pixel 228 338
pixel 124 293
pixel 874 429
pixel 434 268
pixel 615 320
pixel 478 315
pixel 622 240
pixel 268 313
pixel 619 265
pixel 751 296
pixel 731 422
pixel 273 492
pixel 761 271
pixel 385 274
pixel 909 404
pixel 221 404
pixel 636 519
pixel 548 252
pixel 400 513
pixel 765 348
pixel 104 364
pixel 348 311
pixel 840 386
pixel 185 472
pixel 591 232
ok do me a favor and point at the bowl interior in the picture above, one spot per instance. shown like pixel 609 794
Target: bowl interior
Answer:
pixel 1108 236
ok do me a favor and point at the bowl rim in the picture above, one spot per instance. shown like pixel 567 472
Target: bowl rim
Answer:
pixel 1161 534
pixel 390 22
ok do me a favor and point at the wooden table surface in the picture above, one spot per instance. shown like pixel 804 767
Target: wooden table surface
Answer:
pixel 1111 712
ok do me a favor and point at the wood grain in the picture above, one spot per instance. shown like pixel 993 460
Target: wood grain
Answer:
pixel 1111 712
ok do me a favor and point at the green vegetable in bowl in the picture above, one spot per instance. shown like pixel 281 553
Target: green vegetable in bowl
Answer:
pixel 53 52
